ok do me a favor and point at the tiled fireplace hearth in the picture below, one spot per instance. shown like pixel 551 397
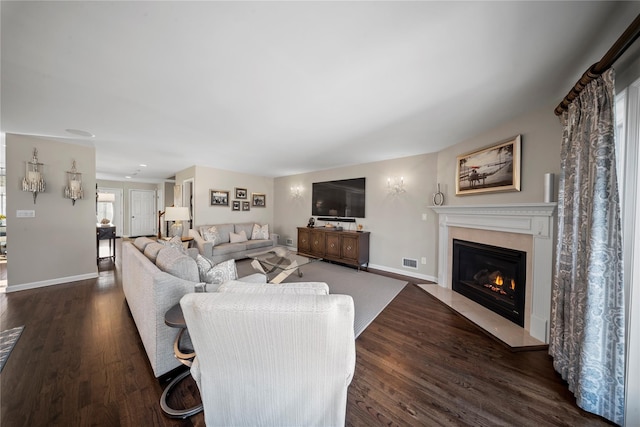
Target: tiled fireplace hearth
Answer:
pixel 522 227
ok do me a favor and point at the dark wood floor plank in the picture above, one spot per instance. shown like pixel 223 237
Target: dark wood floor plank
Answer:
pixel 80 362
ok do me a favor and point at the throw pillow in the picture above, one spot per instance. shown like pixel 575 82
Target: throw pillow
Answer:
pixel 216 274
pixel 260 232
pixel 238 237
pixel 210 234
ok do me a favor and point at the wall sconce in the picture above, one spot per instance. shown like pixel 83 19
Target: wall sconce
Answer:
pixel 296 192
pixel 73 190
pixel 395 185
pixel 177 214
pixel 33 181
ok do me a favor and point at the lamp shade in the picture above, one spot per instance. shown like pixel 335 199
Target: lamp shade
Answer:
pixel 106 197
pixel 175 213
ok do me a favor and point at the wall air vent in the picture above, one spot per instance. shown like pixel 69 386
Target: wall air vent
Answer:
pixel 410 263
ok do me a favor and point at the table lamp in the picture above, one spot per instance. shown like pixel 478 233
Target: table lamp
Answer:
pixel 176 214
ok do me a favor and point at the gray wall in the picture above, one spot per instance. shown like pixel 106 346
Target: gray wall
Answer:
pixel 396 222
pixel 206 179
pixel 59 244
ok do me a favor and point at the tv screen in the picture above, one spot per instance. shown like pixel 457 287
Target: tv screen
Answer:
pixel 343 198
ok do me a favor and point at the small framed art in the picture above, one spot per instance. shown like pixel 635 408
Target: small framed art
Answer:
pixel 241 193
pixel 219 198
pixel 258 200
pixel 235 205
pixel 245 206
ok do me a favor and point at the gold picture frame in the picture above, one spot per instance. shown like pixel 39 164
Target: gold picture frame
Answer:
pixel 258 200
pixel 218 198
pixel 491 169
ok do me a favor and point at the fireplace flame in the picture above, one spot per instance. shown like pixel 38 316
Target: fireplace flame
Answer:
pixel 499 281
pixel 513 284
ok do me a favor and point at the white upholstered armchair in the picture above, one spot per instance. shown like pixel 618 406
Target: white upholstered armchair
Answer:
pixel 279 355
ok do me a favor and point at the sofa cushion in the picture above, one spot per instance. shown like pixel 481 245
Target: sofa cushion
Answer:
pixel 142 242
pixel 260 231
pixel 247 227
pixel 223 231
pixel 237 237
pixel 172 261
pixel 229 248
pixel 216 274
pixel 152 249
pixel 255 244
pixel 300 288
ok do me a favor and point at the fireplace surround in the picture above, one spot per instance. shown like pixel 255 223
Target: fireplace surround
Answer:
pixel 527 227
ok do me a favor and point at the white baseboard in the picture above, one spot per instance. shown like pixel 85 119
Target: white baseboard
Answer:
pixel 394 270
pixel 50 282
pixel 404 272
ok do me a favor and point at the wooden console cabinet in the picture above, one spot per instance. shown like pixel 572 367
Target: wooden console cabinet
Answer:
pixel 347 247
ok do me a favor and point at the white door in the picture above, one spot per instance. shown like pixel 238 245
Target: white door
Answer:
pixel 143 212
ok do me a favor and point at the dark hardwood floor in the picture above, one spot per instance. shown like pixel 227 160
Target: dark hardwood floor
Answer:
pixel 80 362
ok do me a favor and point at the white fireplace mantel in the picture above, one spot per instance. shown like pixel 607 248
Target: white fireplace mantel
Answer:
pixel 534 219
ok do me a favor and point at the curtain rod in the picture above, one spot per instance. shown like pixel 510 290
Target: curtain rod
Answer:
pixel 619 47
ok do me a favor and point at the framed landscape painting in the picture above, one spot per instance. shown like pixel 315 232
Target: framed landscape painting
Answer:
pixel 492 169
pixel 219 198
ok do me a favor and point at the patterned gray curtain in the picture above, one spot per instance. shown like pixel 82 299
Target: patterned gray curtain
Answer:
pixel 587 339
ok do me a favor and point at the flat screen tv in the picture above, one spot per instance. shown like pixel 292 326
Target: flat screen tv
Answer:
pixel 343 198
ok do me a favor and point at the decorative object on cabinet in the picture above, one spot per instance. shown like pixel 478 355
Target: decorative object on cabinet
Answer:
pixel 258 200
pixel 492 169
pixel 73 190
pixel 438 197
pixel 176 214
pixel 33 181
pixel 235 205
pixel 395 185
pixel 219 198
pixel 241 193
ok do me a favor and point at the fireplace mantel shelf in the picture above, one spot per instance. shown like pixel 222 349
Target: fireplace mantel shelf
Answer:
pixel 520 209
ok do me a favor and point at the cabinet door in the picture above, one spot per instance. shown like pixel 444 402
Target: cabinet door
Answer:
pixel 333 245
pixel 304 237
pixel 317 243
pixel 350 248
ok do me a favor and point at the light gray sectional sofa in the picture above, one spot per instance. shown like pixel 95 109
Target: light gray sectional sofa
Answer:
pixel 154 278
pixel 223 249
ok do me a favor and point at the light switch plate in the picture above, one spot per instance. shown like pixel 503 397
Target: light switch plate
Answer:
pixel 26 213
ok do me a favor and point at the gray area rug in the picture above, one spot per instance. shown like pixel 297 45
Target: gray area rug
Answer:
pixel 8 340
pixel 371 293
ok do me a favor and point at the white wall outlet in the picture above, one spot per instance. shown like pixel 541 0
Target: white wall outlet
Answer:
pixel 423 260
pixel 424 216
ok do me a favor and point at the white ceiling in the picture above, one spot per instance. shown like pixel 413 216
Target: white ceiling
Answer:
pixel 278 88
